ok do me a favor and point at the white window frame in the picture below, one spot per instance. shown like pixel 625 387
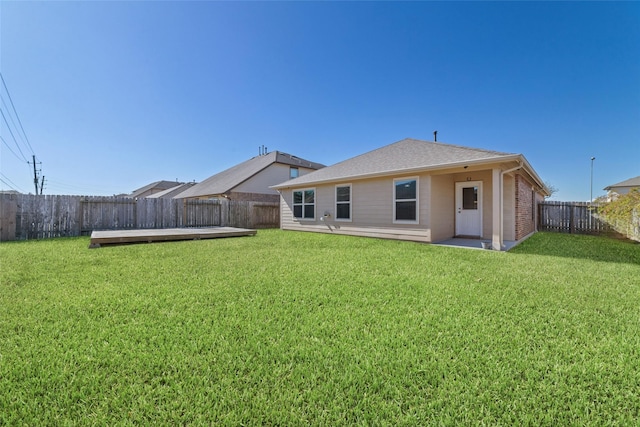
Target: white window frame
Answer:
pixel 350 202
pixel 303 204
pixel 291 169
pixel 417 200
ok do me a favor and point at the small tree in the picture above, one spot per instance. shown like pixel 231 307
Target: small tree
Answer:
pixel 552 188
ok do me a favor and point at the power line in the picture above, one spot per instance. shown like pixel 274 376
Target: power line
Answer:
pixel 7 184
pixel 12 152
pixel 13 136
pixel 12 121
pixel 16 114
pixel 23 137
pixel 11 184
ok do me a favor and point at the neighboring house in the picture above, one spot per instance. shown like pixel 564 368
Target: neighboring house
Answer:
pixel 172 192
pixel 153 188
pixel 251 180
pixel 421 191
pixel 621 188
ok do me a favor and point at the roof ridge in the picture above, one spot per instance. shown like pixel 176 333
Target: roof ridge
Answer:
pixel 484 150
pixel 631 182
pixel 404 155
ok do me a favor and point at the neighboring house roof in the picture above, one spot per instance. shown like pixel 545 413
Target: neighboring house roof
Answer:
pixel 228 179
pixel 408 155
pixel 171 192
pixel 158 186
pixel 629 183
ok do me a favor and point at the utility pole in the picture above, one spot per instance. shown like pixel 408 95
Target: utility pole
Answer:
pixel 591 187
pixel 41 184
pixel 35 176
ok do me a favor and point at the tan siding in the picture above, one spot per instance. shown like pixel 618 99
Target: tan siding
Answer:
pixel 372 211
pixel 442 207
pixel 425 202
pixel 372 204
pixel 286 212
pixel 275 173
pixel 372 208
pixel 324 201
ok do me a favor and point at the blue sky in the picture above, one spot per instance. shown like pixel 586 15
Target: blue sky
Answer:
pixel 115 95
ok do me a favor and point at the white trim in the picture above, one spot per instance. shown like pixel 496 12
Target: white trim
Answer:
pixel 419 169
pixel 335 200
pixel 417 200
pixel 303 204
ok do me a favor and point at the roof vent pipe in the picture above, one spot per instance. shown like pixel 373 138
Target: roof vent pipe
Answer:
pixel 435 136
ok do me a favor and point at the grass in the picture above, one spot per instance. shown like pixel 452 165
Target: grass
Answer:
pixel 288 328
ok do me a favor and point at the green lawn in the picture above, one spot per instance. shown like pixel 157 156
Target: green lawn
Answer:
pixel 288 328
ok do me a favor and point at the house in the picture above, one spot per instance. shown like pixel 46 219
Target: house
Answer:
pixel 172 192
pixel 621 188
pixel 251 180
pixel 153 188
pixel 420 191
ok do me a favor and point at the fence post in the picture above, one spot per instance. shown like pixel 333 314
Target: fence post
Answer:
pixel 572 224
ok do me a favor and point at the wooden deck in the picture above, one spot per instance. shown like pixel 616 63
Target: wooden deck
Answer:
pixel 118 237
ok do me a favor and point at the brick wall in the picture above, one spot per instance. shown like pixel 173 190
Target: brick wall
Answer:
pixel 526 204
pixel 255 197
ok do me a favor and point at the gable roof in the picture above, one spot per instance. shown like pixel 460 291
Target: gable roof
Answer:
pixel 228 179
pixel 171 192
pixel 407 155
pixel 631 182
pixel 158 185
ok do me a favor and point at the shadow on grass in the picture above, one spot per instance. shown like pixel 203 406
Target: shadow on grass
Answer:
pixel 593 248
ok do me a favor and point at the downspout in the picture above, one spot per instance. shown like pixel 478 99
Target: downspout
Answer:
pixel 502 200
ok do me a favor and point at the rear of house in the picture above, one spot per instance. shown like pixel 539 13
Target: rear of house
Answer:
pixel 420 191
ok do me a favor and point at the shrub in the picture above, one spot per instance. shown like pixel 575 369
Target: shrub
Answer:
pixel 623 214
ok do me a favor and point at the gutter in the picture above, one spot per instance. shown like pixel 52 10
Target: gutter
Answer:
pixel 395 172
pixel 502 174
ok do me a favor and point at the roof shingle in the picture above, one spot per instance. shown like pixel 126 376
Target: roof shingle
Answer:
pixel 631 182
pixel 405 155
pixel 228 179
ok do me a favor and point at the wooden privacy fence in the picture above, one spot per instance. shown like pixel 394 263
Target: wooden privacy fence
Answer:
pixel 27 216
pixel 571 217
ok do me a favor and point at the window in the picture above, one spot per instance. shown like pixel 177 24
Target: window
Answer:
pixel 405 195
pixel 293 172
pixel 304 204
pixel 343 202
pixel 470 198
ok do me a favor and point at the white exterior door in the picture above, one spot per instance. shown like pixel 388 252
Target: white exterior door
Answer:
pixel 469 208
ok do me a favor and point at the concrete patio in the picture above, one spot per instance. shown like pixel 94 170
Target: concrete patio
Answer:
pixel 460 242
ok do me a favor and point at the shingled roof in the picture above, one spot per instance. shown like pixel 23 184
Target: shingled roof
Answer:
pixel 172 192
pixel 631 182
pixel 155 186
pixel 228 179
pixel 403 156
